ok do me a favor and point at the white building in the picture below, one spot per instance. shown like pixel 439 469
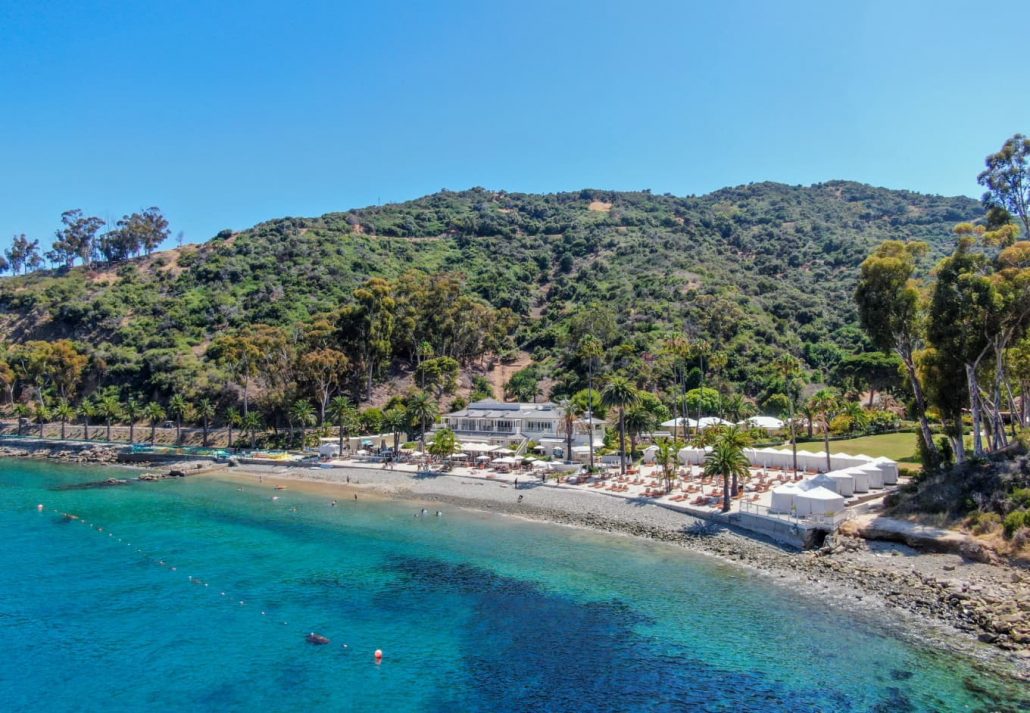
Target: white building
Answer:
pixel 513 424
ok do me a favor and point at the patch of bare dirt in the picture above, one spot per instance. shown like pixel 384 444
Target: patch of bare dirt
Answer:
pixel 599 206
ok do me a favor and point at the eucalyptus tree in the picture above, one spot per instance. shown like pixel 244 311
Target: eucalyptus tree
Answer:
pixel 620 394
pixel 1007 180
pixel 888 298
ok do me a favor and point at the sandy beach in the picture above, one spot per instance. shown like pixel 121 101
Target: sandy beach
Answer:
pixel 940 599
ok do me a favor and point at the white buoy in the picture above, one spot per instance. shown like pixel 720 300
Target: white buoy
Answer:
pixel 39 507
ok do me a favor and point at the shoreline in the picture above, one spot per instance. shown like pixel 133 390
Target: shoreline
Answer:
pixel 930 599
pixel 938 601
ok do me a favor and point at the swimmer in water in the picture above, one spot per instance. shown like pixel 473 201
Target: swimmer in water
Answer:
pixel 332 504
pixel 355 496
pixel 275 497
pixel 439 514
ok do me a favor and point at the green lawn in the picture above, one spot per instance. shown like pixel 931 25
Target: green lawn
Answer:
pixel 896 446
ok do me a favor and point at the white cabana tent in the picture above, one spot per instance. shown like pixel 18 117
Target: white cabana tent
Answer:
pixel 650 454
pixel 763 457
pixel 844 480
pixel 680 423
pixel 861 478
pixel 820 481
pixel 709 421
pixel 693 456
pixel 874 473
pixel 329 450
pixel 504 451
pixel 769 423
pixel 889 469
pixel 818 501
pixel 783 498
pixel 810 460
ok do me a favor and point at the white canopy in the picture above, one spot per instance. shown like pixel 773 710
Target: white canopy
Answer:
pixel 818 501
pixel 504 451
pixel 478 447
pixel 783 498
pixel 820 481
pixel 861 478
pixel 458 456
pixel 679 423
pixel 844 480
pixel 482 457
pixel 769 423
pixel 507 460
pixel 889 469
pixel 709 421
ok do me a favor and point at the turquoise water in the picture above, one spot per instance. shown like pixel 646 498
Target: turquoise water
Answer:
pixel 194 595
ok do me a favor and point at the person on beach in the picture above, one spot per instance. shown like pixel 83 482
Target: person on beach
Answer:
pixel 516 483
pixel 520 498
pixel 355 496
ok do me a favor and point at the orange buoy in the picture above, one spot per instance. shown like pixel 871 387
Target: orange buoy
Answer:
pixel 379 655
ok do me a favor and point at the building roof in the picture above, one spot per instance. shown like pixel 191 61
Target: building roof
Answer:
pixel 489 408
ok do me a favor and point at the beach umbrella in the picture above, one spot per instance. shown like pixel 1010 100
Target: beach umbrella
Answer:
pixel 482 458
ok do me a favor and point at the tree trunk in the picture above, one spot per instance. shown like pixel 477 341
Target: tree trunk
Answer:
pixel 85 430
pixel 590 412
pixel 132 432
pixel 41 424
pixel 178 431
pixel 153 433
pixel 62 429
pixel 108 430
pixel 917 391
pixel 826 443
pixel 341 438
pixel 205 432
pixel 872 394
pixel 622 442
pixel 725 492
pixel 974 407
pixel 229 425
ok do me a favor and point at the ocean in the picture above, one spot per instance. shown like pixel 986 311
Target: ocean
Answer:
pixel 197 594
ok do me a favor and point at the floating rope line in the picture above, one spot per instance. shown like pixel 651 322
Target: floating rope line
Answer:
pixel 311 637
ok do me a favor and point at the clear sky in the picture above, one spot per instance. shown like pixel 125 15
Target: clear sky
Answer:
pixel 228 113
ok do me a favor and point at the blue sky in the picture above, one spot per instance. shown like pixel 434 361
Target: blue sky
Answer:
pixel 228 113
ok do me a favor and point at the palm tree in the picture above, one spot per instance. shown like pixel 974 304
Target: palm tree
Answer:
pixel 22 411
pixel 824 404
pixel 342 412
pixel 789 370
pixel 65 412
pixel 421 410
pixel 108 408
pixel 666 458
pixel 155 414
pixel 395 419
pixel 620 394
pixel 251 423
pixel 590 350
pixel 132 411
pixel 570 413
pixel 206 412
pixel 177 406
pixel 303 414
pixel 86 411
pixel 42 415
pixel 638 420
pixel 232 418
pixel 738 438
pixel 726 459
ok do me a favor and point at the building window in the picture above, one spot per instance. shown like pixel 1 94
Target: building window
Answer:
pixel 506 426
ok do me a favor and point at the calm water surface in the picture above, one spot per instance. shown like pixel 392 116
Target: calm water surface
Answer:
pixel 195 595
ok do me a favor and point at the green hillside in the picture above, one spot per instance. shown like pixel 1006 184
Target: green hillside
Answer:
pixel 754 270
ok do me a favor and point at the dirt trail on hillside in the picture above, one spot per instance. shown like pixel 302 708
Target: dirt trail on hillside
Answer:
pixel 503 372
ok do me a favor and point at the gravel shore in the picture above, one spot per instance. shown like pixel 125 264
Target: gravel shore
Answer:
pixel 976 609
